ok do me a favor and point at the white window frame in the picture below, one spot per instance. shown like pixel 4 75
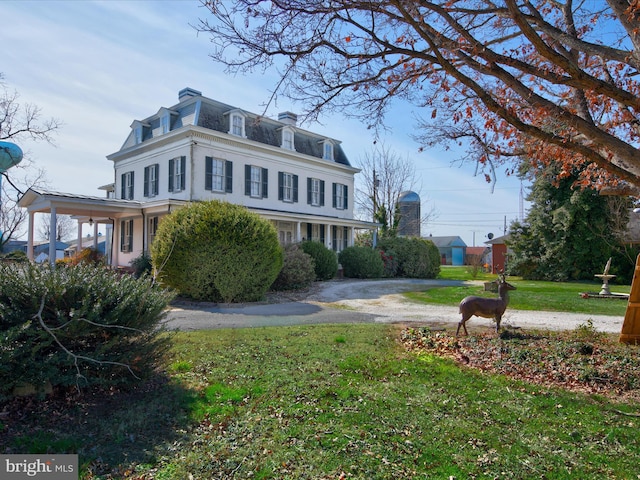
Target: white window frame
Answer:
pixel 138 131
pixel 177 174
pixel 256 182
pixel 218 178
pixel 165 123
pixel 328 150
pixel 128 186
pixel 288 139
pixel 237 124
pixel 340 196
pixel 315 192
pixel 152 180
pixel 287 187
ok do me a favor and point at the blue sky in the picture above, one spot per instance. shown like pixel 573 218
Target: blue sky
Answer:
pixel 99 65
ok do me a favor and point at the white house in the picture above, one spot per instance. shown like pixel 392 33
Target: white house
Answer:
pixel 201 149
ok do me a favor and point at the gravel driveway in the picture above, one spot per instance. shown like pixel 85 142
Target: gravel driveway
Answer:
pixel 357 301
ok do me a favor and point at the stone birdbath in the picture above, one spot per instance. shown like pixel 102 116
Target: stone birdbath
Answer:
pixel 605 277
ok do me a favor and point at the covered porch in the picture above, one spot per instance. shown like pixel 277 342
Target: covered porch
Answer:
pixel 93 211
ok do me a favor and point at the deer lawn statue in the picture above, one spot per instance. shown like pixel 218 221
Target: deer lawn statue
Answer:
pixel 486 307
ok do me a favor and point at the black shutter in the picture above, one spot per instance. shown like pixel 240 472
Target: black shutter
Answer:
pixel 146 181
pixel 208 173
pixel 156 187
pixel 322 193
pixel 183 171
pixel 322 233
pixel 228 172
pixel 346 197
pixel 132 194
pixel 247 180
pixel 122 236
pixel 123 187
pixel 334 187
pixel 309 231
pixel 295 188
pixel 265 183
pixel 280 185
pixel 171 174
pixel 309 196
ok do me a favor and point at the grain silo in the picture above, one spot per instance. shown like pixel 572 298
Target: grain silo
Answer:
pixel 409 205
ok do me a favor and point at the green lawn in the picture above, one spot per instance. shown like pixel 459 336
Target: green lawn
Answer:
pixel 330 402
pixel 364 401
pixel 530 295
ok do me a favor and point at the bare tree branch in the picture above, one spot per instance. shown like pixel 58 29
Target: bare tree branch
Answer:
pixel 20 123
pixel 77 358
pixel 505 67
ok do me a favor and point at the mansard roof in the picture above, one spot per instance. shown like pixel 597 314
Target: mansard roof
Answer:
pixel 194 109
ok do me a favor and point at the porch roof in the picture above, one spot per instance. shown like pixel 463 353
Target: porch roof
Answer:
pixel 78 205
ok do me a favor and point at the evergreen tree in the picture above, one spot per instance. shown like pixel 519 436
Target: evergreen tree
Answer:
pixel 567 234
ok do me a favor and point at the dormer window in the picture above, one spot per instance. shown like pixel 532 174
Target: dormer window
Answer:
pixel 236 124
pixel 165 123
pixel 327 150
pixel 138 131
pixel 287 139
pixel 165 120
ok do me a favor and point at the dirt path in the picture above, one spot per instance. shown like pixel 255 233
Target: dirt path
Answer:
pixel 356 301
pixel 384 299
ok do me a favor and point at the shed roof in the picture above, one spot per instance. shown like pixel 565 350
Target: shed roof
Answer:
pixel 447 241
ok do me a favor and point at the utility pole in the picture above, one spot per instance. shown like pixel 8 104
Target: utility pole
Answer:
pixel 376 184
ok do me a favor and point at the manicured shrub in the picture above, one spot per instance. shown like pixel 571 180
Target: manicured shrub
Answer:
pixel 298 271
pixel 326 261
pixel 217 251
pixel 361 262
pixel 416 257
pixel 80 325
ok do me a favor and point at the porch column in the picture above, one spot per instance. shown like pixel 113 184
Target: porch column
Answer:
pixel 79 244
pixel 30 237
pixel 53 235
pixel 327 237
pixel 298 237
pixel 95 236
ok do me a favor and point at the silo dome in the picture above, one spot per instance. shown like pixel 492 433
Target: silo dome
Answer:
pixel 409 197
pixel 409 205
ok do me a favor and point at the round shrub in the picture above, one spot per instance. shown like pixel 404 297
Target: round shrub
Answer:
pixel 78 325
pixel 298 271
pixel 326 261
pixel 217 251
pixel 361 262
pixel 416 257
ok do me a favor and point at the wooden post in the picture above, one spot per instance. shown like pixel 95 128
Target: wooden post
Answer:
pixel 631 327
